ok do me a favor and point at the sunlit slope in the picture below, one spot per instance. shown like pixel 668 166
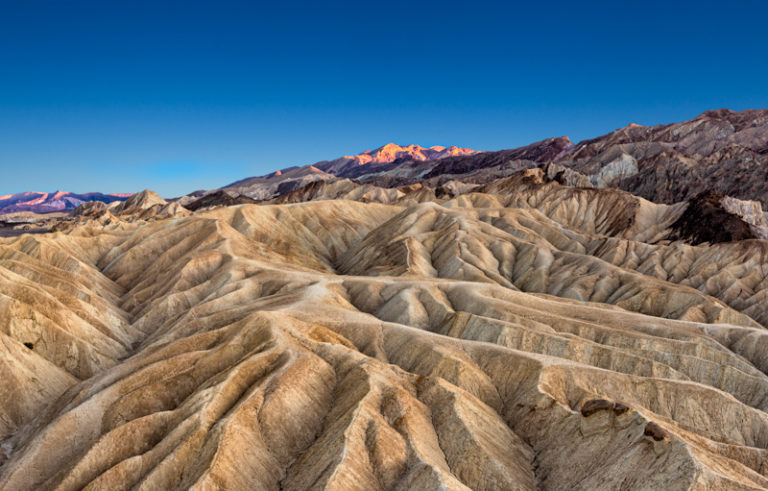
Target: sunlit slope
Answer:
pixel 519 337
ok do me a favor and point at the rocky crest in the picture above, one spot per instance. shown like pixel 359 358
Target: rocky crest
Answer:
pixel 376 162
pixel 390 153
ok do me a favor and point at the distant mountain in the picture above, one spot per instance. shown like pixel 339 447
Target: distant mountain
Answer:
pixel 723 151
pixel 371 162
pixel 387 154
pixel 279 182
pixel 52 202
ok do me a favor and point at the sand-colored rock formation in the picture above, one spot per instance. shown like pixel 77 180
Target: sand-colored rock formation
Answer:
pixel 522 334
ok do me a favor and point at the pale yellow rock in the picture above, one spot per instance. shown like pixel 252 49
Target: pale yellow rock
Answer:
pixel 384 339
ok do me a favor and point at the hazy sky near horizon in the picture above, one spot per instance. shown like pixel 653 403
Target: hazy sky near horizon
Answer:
pixel 176 96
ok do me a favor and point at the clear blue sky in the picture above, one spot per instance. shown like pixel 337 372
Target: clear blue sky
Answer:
pixel 119 96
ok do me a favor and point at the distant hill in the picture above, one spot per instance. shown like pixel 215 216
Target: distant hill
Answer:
pixel 370 162
pixel 37 202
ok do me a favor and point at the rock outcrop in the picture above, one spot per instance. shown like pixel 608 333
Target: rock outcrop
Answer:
pixel 219 198
pixel 713 218
pixel 723 151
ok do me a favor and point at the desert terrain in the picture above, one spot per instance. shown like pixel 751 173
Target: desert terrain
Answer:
pixel 512 321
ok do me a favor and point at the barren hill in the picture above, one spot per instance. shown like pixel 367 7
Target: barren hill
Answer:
pixel 513 334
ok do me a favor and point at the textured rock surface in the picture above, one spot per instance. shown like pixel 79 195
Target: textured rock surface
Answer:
pixel 218 198
pixel 723 151
pixel 521 334
pixel 714 218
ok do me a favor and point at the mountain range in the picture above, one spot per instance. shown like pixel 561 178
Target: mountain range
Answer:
pixel 380 160
pixel 722 151
pixel 52 202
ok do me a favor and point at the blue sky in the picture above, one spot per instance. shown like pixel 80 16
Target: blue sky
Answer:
pixel 178 96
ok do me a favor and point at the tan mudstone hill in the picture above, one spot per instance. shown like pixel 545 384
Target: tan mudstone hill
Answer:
pixel 517 335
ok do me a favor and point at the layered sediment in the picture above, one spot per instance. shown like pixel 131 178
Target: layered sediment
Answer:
pixel 521 334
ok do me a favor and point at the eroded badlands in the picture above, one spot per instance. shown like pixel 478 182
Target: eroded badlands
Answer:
pixel 522 335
